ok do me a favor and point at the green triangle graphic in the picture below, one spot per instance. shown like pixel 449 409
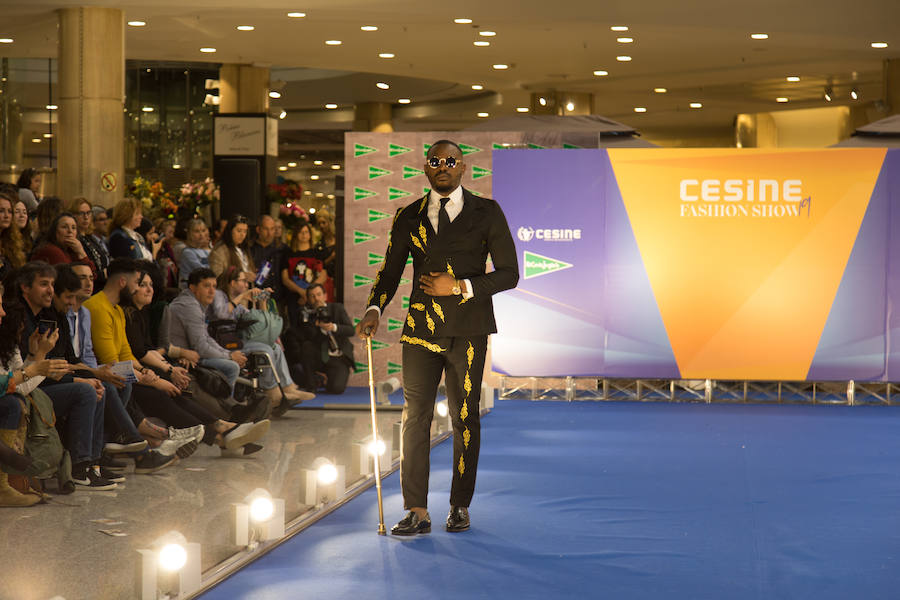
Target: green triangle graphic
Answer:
pixel 376 172
pixel 356 321
pixel 395 149
pixel 362 150
pixel 537 265
pixel 361 193
pixel 425 148
pixel 361 236
pixel 404 281
pixel 377 215
pixel 404 302
pixel 536 147
pixel 426 191
pixel 409 260
pixel 375 259
pixel 361 280
pixel 361 366
pixel 396 194
pixel 410 172
pixel 570 146
pixel 476 192
pixel 500 146
pixel 376 345
pixel 479 172
pixel 394 368
pixel 394 324
pixel 466 149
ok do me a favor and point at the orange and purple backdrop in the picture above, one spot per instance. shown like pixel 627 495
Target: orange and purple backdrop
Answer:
pixel 706 263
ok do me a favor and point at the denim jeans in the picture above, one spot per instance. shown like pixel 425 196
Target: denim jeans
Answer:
pixel 115 408
pixel 267 379
pixel 10 411
pixel 77 405
pixel 228 367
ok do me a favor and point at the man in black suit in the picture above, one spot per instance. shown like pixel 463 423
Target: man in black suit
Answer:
pixel 324 342
pixel 449 232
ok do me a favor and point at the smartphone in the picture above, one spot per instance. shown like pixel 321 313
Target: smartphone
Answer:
pixel 45 325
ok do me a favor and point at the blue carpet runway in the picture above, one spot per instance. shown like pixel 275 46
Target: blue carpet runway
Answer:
pixel 625 500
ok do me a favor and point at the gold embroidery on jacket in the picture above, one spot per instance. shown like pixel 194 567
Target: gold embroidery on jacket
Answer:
pixel 417 306
pixel 424 204
pixel 429 322
pixel 417 243
pixel 470 354
pixel 410 321
pixel 467 385
pixel 423 234
pixel 466 437
pixel 464 411
pixel 464 300
pixel 462 465
pixel 438 310
pixel 450 270
pixel 420 342
pixel 382 300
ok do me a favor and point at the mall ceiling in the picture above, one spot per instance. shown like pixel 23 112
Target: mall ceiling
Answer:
pixel 700 51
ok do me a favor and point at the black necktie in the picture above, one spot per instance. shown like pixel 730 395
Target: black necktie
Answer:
pixel 443 217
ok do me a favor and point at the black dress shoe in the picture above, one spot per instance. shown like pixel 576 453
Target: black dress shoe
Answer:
pixel 458 519
pixel 412 524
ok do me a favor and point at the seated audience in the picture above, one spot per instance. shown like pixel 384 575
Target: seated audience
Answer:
pixel 46 214
pixel 61 244
pixel 81 209
pixel 195 255
pixel 29 185
pixel 233 249
pixel 266 250
pixel 301 266
pixel 24 225
pixel 12 251
pixel 125 241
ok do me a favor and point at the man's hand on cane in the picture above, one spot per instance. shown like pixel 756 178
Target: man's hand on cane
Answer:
pixel 369 324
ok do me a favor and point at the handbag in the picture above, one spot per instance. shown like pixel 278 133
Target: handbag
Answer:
pixel 212 381
pixel 267 324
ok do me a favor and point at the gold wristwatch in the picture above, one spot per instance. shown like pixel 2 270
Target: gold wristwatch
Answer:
pixel 456 290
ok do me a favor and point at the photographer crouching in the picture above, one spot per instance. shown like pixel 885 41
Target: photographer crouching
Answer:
pixel 321 343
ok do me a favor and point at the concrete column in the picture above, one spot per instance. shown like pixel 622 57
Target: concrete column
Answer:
pixel 892 85
pixel 243 89
pixel 755 130
pixel 373 116
pixel 91 139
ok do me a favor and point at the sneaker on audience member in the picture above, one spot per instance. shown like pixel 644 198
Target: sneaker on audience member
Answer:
pixel 180 448
pixel 110 475
pixel 186 433
pixel 87 479
pixel 152 461
pixel 108 462
pixel 125 446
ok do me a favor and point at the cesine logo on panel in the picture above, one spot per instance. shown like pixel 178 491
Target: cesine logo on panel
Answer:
pixel 527 234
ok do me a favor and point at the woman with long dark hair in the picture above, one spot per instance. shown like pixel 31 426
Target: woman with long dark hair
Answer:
pixel 233 250
pixel 62 244
pixel 29 185
pixel 83 212
pixel 24 224
pixel 12 252
pixel 302 266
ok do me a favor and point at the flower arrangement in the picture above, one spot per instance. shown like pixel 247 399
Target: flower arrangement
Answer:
pixel 193 196
pixel 288 194
pixel 155 200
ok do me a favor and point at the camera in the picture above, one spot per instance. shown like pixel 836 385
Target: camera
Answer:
pixel 309 315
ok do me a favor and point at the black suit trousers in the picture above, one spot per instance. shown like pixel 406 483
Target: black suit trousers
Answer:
pixel 463 366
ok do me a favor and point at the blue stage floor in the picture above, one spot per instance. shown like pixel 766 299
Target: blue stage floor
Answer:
pixel 625 500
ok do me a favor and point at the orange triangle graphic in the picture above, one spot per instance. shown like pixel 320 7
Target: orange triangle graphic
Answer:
pixel 745 294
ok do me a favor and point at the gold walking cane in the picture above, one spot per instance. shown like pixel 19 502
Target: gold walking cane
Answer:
pixel 375 436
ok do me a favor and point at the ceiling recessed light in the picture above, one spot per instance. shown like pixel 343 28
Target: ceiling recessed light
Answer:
pixel 619 28
pixel 330 197
pixel 176 166
pixel 484 114
pixel 51 107
pixel 137 23
pixel 624 40
pixel 282 168
pixel 879 44
pixel 570 106
pixel 623 58
pixel 462 21
pixel 147 109
pixel 522 109
pixel 695 105
pixel 307 193
pixel 854 94
pixel 369 28
pixel 331 106
pixel 477 87
pixel 317 162
pixel 296 15
pixel 207 50
pixel 245 27
pixel 274 94
pixel 335 167
pixel 793 79
pixel 382 85
pixel 386 55
pixel 333 42
pixel 481 43
pixel 314 177
pixel 501 67
pixel 542 101
pixel 404 101
pixel 320 194
pixel 759 36
pixel 292 164
pixel 48 135
pixel 601 73
pixel 487 33
pixel 36 140
pixel 640 109
pixel 781 99
pixel 282 114
pixel 660 90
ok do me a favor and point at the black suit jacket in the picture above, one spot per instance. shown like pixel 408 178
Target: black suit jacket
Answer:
pixel 345 330
pixel 479 229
